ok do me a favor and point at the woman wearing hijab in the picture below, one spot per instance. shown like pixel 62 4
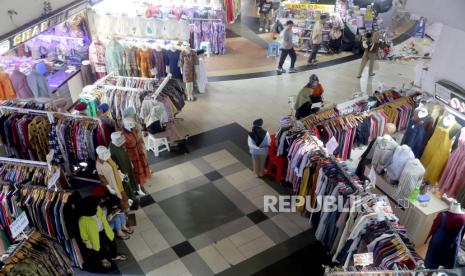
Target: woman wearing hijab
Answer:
pixel 258 140
pixel 311 93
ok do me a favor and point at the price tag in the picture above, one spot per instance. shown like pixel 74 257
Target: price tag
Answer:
pixel 363 259
pixel 53 180
pixel 18 226
pixel 372 176
pixel 332 145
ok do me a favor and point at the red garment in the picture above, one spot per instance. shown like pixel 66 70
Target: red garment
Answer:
pixel 317 91
pixel 136 152
pixel 453 221
pixel 229 10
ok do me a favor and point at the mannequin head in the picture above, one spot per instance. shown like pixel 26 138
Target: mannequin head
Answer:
pixel 117 139
pixel 103 153
pixel 390 129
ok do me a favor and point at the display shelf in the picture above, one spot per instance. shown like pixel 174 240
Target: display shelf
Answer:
pixel 416 217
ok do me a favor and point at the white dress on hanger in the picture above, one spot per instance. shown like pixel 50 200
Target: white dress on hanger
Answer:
pixel 202 79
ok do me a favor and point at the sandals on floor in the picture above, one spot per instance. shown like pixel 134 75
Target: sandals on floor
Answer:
pixel 120 258
pixel 128 231
pixel 124 238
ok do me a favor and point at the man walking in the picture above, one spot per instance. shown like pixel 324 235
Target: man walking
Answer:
pixel 287 48
pixel 317 38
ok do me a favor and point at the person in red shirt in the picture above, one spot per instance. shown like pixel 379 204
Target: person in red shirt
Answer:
pixel 314 89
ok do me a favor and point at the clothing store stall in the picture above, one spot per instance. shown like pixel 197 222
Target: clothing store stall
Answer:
pixel 38 220
pixel 44 57
pixel 387 141
pixel 155 23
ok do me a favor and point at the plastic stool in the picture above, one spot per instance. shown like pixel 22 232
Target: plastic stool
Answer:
pixel 158 145
pixel 275 167
pixel 273 49
pixel 276 164
pixel 205 45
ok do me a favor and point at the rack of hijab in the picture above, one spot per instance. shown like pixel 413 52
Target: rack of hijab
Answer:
pixel 29 255
pixel 53 118
pixel 353 120
pixel 31 190
pixel 357 186
pixel 106 84
pixel 374 272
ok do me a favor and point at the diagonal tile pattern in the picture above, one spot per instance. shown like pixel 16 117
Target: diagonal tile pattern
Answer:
pixel 204 216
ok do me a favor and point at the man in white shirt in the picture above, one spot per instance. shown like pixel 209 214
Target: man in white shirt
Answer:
pixel 317 38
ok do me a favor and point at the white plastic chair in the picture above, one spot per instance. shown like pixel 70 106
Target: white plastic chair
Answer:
pixel 157 145
pixel 205 45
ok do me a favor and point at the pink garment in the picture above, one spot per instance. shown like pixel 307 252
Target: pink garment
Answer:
pixel 452 178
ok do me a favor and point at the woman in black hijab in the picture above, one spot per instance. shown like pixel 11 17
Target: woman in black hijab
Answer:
pixel 258 140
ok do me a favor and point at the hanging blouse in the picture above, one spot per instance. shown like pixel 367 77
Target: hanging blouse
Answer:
pixel 399 159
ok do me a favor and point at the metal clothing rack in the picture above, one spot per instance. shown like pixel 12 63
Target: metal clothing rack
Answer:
pixel 46 113
pixel 422 271
pixel 31 163
pixel 391 227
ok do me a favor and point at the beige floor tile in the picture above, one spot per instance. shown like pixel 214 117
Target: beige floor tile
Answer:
pixel 286 224
pixel 259 191
pixel 175 268
pixel 138 247
pixel 246 235
pixel 258 202
pixel 242 181
pixel 217 156
pixel 154 240
pixel 256 246
pixel 213 258
pixel 229 251
pixel 223 163
pixel 299 220
pixel 158 182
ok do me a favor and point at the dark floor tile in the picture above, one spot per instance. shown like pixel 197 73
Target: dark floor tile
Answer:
pixel 183 249
pixel 146 201
pixel 200 210
pixel 214 175
pixel 257 216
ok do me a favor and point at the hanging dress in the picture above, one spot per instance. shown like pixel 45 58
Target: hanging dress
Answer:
pixel 452 178
pixel 437 152
pixel 444 245
pixel 136 152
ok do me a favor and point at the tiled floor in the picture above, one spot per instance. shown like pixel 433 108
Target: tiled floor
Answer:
pixel 206 216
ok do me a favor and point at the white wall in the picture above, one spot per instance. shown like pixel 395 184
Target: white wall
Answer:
pixel 27 10
pixel 448 12
pixel 448 59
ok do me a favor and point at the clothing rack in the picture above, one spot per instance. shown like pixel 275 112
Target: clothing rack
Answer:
pixel 163 84
pixel 102 80
pixel 402 242
pixel 32 163
pixel 46 113
pixel 122 88
pixel 424 271
pixel 336 163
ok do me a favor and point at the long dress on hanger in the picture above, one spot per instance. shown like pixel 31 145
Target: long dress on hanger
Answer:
pixel 136 152
pixel 121 158
pixel 437 151
pixel 447 232
pixel 452 178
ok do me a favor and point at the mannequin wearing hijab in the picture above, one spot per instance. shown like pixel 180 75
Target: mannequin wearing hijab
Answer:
pixel 110 176
pixel 136 152
pixel 258 141
pixel 121 158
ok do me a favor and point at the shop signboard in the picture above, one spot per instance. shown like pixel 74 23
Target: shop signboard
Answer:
pixel 315 7
pixel 452 95
pixel 24 34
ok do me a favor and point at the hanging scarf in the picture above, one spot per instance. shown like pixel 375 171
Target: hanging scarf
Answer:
pixel 257 135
